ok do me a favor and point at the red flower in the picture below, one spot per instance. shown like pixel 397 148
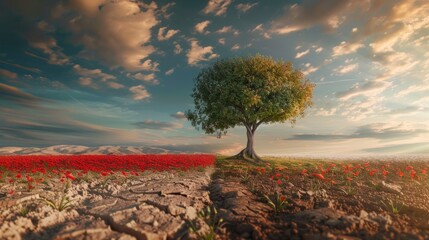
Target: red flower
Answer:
pixel 401 174
pixel 318 175
pixel 282 198
pixel 11 192
pixel 408 168
pixel 279 182
pixel 18 175
pixel 262 170
pixel 424 171
pixel 278 175
pixel 69 175
pixel 286 177
pixel 349 179
pixel 304 172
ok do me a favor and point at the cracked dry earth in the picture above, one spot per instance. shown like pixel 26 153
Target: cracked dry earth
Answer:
pixel 151 206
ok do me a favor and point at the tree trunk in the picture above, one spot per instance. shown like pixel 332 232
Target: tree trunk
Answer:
pixel 249 152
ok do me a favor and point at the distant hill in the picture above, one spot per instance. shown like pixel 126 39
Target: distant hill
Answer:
pixel 76 149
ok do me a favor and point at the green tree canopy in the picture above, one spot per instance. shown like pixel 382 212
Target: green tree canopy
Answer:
pixel 248 91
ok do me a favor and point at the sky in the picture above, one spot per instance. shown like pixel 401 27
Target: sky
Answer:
pixel 121 72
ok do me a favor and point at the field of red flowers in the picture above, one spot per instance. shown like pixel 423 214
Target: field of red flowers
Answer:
pixel 33 170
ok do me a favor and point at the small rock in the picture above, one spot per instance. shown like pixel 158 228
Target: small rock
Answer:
pixel 363 214
pixel 392 188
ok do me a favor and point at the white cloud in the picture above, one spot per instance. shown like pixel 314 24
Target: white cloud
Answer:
pixel 346 48
pixel 344 69
pixel 87 82
pixel 244 7
pixel 114 85
pixel 301 54
pixel 354 29
pixel 178 115
pixel 139 92
pixel 117 34
pixel 319 49
pixel 221 41
pixel 235 47
pixel 169 72
pixel 198 53
pixel 302 16
pixel 217 7
pixel 326 112
pixel 258 28
pixel 149 78
pixel 225 29
pixel 200 27
pixel 309 69
pixel 92 73
pixel 165 35
pixel 177 48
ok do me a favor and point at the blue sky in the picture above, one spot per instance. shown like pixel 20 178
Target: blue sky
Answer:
pixel 121 72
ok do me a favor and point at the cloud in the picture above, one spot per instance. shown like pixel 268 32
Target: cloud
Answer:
pixel 139 92
pixel 88 82
pixel 200 27
pixel 298 17
pixel 244 7
pixel 116 34
pixel 319 49
pixel 114 85
pixel 405 110
pixel 368 89
pixel 164 10
pixel 8 74
pixel 30 69
pixel 165 35
pixel 381 131
pixel 169 72
pixel 177 48
pixel 48 45
pixel 221 41
pixel 258 28
pixel 309 69
pixel 92 73
pixel 217 7
pixel 344 69
pixel 13 94
pixel 301 54
pixel 23 128
pixel 227 29
pixel 198 53
pixel 414 88
pixel 346 48
pixel 149 78
pixel 235 47
pixel 179 115
pixel 150 124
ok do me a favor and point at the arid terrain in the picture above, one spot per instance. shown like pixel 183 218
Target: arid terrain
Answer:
pixel 282 198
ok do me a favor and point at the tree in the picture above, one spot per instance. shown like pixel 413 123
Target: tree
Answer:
pixel 248 91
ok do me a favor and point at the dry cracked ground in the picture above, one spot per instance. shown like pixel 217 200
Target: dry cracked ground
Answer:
pixel 161 205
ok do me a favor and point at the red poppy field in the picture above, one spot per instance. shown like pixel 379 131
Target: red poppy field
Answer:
pixel 26 172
